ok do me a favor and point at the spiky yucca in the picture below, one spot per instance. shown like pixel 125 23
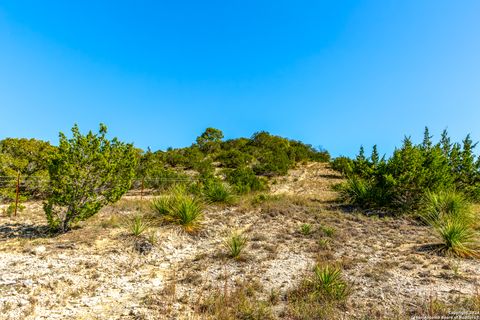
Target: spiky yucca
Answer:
pixel 235 244
pixel 217 191
pixel 180 208
pixel 453 219
pixel 450 203
pixel 327 282
pixel 137 225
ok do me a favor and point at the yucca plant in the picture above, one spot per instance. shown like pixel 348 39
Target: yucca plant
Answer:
pixel 458 237
pixel 235 244
pixel 137 225
pixel 163 205
pixel 188 213
pixel 328 231
pixel 356 191
pixel 216 191
pixel 306 229
pixel 436 205
pixel 327 282
pixel 180 208
pixel 452 218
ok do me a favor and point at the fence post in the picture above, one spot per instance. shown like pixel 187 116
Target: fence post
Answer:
pixel 141 192
pixel 17 191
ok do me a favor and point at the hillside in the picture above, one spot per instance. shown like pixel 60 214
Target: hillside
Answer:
pixel 100 271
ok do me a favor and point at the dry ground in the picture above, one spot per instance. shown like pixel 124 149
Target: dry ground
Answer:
pixel 94 271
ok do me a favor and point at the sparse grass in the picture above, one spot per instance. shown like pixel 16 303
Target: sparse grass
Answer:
pixel 218 192
pixel 319 296
pixel 306 229
pixel 137 225
pixel 180 208
pixel 324 243
pixel 240 303
pixel 112 222
pixel 235 244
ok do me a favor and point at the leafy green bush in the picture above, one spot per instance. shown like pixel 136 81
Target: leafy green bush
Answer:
pixel 244 180
pixel 234 158
pixel 209 141
pixel 87 172
pixel 365 194
pixel 400 182
pixel 162 179
pixel 29 158
pixel 343 165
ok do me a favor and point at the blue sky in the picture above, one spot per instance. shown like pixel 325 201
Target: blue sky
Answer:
pixel 332 73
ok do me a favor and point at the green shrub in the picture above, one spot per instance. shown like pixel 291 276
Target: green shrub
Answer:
pixel 216 191
pixel 343 165
pixel 244 180
pixel 87 172
pixel 209 141
pixel 29 158
pixel 160 178
pixel 360 192
pixel 235 244
pixel 234 158
pixel 399 183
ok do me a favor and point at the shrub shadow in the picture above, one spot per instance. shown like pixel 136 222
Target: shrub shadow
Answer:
pixel 24 231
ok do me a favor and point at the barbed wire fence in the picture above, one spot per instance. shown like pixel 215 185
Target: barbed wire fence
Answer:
pixel 15 184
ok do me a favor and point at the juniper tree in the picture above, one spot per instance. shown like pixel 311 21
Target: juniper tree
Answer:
pixel 427 139
pixel 209 141
pixel 374 157
pixel 445 143
pixel 88 172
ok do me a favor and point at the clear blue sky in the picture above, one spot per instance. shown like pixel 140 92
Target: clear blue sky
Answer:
pixel 332 73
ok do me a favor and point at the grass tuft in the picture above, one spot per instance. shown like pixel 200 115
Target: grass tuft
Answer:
pixel 235 244
pixel 137 225
pixel 306 229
